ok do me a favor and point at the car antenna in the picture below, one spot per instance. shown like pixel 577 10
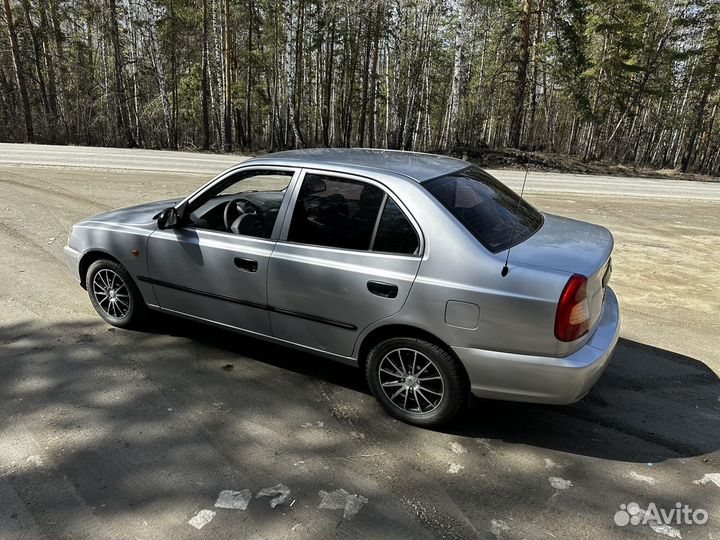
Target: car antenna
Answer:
pixel 505 269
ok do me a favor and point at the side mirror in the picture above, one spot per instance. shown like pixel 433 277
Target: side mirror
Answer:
pixel 167 219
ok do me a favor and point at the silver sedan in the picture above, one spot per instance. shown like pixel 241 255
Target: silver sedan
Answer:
pixel 390 261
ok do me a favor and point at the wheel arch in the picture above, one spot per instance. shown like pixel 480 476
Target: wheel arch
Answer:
pixel 90 257
pixel 376 335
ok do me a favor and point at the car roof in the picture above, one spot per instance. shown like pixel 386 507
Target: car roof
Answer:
pixel 414 165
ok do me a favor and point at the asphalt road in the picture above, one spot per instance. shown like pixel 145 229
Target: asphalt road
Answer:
pixel 118 434
pixel 209 164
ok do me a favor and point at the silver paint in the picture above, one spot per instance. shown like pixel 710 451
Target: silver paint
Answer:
pixel 509 352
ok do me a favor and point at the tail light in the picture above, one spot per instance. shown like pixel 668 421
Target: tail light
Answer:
pixel 572 319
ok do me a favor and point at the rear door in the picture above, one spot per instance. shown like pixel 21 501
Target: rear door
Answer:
pixel 346 258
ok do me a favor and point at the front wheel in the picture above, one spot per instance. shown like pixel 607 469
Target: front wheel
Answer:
pixel 114 295
pixel 416 381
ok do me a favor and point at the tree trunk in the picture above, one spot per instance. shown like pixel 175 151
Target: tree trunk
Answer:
pixel 227 143
pixel 249 79
pixel 295 76
pixel 365 83
pixel 161 81
pixel 329 63
pixel 534 90
pixel 205 81
pixel 451 127
pixel 518 111
pixel 173 73
pixel 374 76
pixel 122 110
pixel 37 56
pixel 19 73
pixel 700 110
pixel 49 63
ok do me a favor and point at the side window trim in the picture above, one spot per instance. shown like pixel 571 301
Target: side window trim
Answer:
pixel 227 175
pixel 295 191
pixel 377 221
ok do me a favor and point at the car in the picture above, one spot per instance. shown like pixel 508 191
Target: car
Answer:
pixel 430 275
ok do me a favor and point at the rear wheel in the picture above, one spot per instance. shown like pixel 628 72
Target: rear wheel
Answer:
pixel 416 381
pixel 113 294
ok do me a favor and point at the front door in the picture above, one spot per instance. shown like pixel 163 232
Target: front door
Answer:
pixel 346 260
pixel 214 265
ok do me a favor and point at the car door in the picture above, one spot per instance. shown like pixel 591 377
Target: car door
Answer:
pixel 201 270
pixel 335 270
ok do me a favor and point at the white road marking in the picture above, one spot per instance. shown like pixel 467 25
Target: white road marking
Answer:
pixel 549 463
pixel 281 490
pixel 710 477
pixel 202 518
pixel 559 483
pixel 341 499
pixel 235 500
pixel 455 468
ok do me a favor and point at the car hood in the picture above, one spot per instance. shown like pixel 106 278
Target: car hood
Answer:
pixel 134 215
pixel 565 244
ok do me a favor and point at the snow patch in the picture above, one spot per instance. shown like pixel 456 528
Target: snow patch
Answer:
pixel 202 518
pixel 710 477
pixel 280 493
pixel 559 483
pixel 234 500
pixel 457 448
pixel 341 500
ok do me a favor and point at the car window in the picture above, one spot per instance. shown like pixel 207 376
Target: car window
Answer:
pixel 259 180
pixel 335 212
pixel 246 203
pixel 395 234
pixel 486 207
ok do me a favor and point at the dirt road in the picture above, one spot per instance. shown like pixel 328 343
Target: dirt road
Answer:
pixel 118 434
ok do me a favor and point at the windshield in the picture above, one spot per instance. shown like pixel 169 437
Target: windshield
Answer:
pixel 486 207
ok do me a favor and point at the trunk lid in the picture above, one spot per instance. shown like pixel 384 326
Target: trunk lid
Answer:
pixel 575 247
pixel 566 244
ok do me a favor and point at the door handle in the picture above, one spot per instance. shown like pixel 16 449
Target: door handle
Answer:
pixel 386 290
pixel 246 265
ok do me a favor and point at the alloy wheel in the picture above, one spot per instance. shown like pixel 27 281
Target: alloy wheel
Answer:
pixel 111 293
pixel 411 381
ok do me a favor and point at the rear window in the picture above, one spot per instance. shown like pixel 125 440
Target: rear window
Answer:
pixel 486 207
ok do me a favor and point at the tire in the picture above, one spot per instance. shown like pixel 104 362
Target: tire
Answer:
pixel 114 295
pixel 435 371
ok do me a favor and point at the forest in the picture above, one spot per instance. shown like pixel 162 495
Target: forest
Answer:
pixel 623 81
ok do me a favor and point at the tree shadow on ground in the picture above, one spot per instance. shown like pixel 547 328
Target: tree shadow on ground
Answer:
pixel 650 404
pixel 131 433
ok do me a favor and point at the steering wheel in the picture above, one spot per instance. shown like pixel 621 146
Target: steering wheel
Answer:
pixel 239 211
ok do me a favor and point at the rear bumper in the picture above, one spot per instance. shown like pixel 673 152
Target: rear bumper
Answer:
pixel 72 258
pixel 542 379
